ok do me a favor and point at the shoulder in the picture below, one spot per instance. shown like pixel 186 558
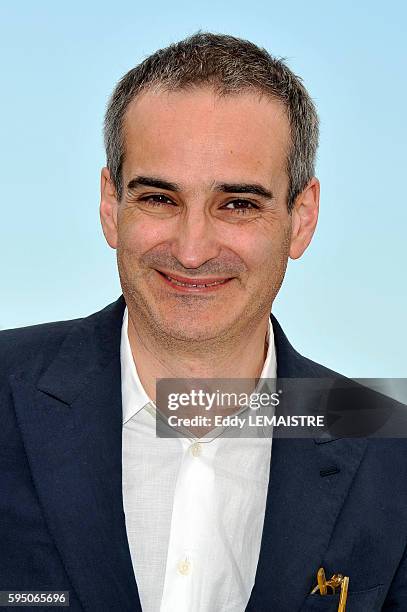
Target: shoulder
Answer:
pixel 291 364
pixel 35 345
pixel 30 350
pixel 319 370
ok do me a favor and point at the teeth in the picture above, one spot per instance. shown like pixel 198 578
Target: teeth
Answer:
pixel 177 282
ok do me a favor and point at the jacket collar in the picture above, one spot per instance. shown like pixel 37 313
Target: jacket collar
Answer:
pixel 91 344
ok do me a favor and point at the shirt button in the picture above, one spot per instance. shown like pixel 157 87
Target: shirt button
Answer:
pixel 196 449
pixel 184 567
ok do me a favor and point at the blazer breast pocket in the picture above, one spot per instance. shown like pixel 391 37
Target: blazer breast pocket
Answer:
pixel 357 601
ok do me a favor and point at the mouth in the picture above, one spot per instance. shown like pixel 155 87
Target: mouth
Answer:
pixel 194 285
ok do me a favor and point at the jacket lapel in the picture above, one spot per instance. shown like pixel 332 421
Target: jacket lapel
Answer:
pixel 302 503
pixel 71 423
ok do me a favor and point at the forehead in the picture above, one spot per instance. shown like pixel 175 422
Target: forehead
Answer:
pixel 201 137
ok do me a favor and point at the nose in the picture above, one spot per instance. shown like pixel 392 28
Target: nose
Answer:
pixel 195 240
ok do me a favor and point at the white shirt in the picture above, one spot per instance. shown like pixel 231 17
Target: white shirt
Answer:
pixel 194 510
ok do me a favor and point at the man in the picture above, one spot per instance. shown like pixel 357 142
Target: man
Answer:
pixel 209 188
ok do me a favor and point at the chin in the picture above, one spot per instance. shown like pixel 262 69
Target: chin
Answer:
pixel 191 333
pixel 190 330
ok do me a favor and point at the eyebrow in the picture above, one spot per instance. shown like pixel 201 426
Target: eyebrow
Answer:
pixel 152 181
pixel 254 188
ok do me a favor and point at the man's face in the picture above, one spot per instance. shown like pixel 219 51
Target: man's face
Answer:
pixel 202 230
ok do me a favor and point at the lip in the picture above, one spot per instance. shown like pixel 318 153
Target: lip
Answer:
pixel 188 288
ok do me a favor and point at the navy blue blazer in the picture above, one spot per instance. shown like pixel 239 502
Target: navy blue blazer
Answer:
pixel 340 504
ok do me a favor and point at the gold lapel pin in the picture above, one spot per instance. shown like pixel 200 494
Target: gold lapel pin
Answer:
pixel 337 581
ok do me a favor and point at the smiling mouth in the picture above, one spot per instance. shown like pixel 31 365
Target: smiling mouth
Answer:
pixel 190 284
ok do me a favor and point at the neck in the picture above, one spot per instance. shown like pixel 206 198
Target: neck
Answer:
pixel 241 358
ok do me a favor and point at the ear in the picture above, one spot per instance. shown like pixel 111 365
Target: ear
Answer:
pixel 304 218
pixel 108 208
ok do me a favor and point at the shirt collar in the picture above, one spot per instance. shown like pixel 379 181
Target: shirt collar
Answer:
pixel 134 396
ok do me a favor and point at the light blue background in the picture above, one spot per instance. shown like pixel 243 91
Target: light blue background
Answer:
pixel 344 302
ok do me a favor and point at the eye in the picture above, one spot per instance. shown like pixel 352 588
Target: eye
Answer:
pixel 241 206
pixel 157 199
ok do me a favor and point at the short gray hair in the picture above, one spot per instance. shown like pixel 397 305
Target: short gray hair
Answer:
pixel 230 65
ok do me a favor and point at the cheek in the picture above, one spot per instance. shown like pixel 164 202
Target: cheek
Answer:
pixel 141 234
pixel 262 252
pixel 266 258
pixel 259 249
